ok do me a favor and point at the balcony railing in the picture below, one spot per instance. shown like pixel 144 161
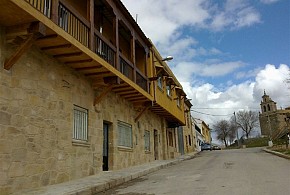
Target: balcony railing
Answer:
pixel 77 26
pixel 141 81
pixel 126 69
pixel 44 6
pixel 108 53
pixel 73 25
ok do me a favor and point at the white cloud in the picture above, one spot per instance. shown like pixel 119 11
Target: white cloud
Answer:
pixel 245 95
pixel 185 70
pixel 272 80
pixel 165 22
pixel 164 19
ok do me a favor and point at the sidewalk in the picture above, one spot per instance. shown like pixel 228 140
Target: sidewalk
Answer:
pixel 105 180
pixel 277 153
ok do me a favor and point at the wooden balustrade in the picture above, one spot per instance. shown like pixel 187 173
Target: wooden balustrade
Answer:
pixel 105 50
pixel 141 81
pixel 126 68
pixel 77 26
pixel 74 25
pixel 44 6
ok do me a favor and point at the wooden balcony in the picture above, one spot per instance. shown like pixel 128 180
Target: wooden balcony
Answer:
pixel 73 40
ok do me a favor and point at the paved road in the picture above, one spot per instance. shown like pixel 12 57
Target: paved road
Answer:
pixel 235 172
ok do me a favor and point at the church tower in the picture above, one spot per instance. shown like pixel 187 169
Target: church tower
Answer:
pixel 267 115
pixel 267 104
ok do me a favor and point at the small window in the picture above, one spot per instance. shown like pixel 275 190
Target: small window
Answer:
pixel 189 140
pixel 147 140
pixel 80 128
pixel 168 90
pixel 160 82
pixel 125 135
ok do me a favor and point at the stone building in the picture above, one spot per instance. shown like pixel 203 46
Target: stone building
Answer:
pixel 189 135
pixel 82 90
pixel 206 132
pixel 273 122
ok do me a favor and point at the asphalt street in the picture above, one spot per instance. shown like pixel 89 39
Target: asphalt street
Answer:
pixel 239 172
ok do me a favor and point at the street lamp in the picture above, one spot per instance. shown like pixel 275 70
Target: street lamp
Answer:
pixel 168 58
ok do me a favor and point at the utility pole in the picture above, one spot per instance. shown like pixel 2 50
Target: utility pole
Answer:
pixel 237 130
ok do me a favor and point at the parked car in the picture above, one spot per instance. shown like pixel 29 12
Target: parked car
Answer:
pixel 206 146
pixel 216 147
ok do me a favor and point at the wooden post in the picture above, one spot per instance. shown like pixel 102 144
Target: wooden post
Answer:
pixel 54 11
pixel 91 11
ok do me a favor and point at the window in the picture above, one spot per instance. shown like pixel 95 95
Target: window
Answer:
pixel 189 140
pixel 125 135
pixel 80 128
pixel 147 140
pixel 168 90
pixel 178 100
pixel 160 82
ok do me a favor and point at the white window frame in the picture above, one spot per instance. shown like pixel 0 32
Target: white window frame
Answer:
pixel 80 123
pixel 125 135
pixel 147 140
pixel 160 82
pixel 168 90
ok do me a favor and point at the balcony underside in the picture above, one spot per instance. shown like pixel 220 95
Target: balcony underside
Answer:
pixel 17 15
pixel 57 44
pixel 172 121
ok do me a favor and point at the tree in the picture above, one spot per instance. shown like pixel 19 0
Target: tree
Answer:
pixel 247 121
pixel 222 129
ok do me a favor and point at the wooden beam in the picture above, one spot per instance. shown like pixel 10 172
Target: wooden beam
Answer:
pixel 88 68
pixel 66 55
pixel 102 95
pixel 56 47
pixel 18 30
pixel 98 73
pixel 141 113
pixel 146 107
pixel 36 30
pixel 79 61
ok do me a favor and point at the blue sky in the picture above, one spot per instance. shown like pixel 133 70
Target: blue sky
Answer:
pixel 226 52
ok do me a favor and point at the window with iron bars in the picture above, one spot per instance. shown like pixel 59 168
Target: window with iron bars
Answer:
pixel 125 138
pixel 80 124
pixel 147 140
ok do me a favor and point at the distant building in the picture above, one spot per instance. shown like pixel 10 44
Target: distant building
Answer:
pixel 274 123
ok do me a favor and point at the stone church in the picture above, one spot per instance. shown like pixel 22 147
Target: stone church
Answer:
pixel 273 122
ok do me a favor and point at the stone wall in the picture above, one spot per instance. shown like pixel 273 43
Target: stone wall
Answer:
pixel 37 97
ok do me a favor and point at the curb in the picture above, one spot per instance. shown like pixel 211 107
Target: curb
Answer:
pixel 277 153
pixel 104 181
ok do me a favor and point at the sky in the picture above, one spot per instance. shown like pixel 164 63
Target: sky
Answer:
pixel 226 52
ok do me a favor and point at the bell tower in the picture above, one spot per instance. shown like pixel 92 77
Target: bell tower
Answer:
pixel 267 104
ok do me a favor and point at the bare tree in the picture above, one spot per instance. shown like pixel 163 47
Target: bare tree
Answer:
pixel 247 121
pixel 222 128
